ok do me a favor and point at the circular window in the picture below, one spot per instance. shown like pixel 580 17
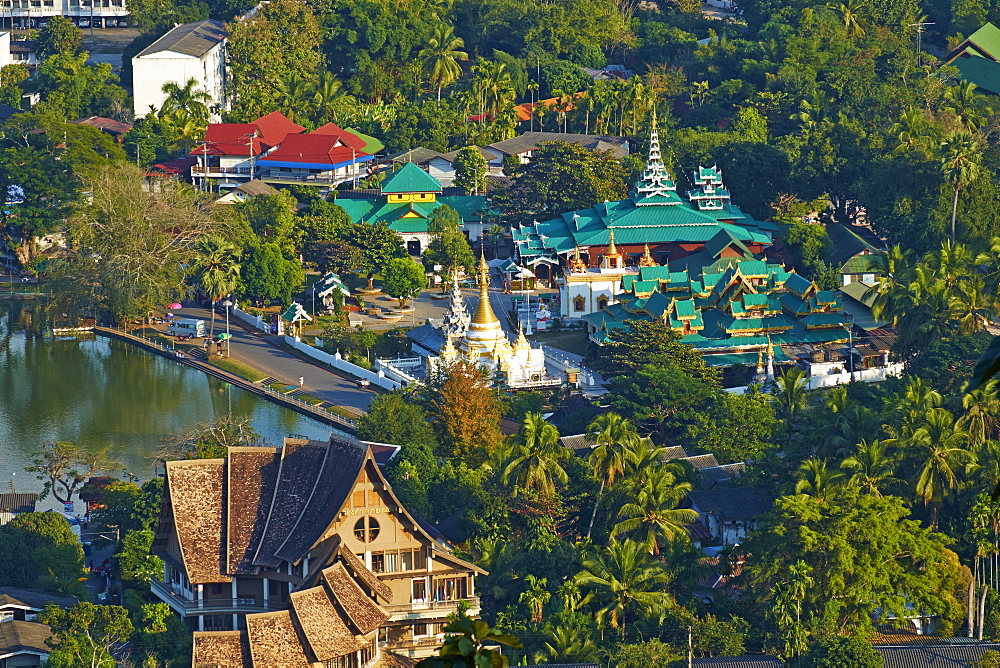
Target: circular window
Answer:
pixel 360 532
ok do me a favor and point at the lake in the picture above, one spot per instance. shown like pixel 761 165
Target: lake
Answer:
pixel 102 393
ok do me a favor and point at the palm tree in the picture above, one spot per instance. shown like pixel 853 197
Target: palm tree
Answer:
pixel 216 269
pixel 981 405
pixel 871 466
pixel 914 133
pixel 295 97
pixel 185 100
pixel 625 576
pixel 943 446
pixel 961 164
pixel 536 596
pixel 330 103
pixel 567 644
pixel 971 304
pixel 537 456
pixel 816 479
pixel 492 87
pixel 918 399
pixel 610 455
pixel 441 55
pixel 792 397
pixel 496 558
pixel 653 518
pixel 850 14
pixel 644 459
pixel 966 104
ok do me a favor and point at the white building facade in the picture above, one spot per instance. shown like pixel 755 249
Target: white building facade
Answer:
pixel 190 51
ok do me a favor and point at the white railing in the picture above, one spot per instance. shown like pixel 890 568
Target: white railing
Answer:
pixel 876 375
pixel 338 362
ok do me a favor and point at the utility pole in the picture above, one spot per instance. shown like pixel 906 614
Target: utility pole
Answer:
pixel 690 650
pixel 920 32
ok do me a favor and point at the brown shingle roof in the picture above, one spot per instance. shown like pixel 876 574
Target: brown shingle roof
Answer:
pixel 18 636
pixel 254 471
pixel 343 462
pixel 301 461
pixel 323 626
pixel 274 640
pixel 195 489
pixel 359 571
pixel 365 615
pixel 746 661
pixel 220 649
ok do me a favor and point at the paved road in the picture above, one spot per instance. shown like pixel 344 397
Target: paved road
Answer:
pixel 261 352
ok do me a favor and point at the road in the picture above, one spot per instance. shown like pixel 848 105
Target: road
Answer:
pixel 262 352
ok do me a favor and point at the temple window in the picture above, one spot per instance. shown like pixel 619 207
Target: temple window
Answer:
pixel 602 302
pixel 579 304
pixel 372 529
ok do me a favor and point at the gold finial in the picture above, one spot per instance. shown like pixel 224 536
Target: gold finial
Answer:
pixel 647 259
pixel 654 118
pixel 576 265
pixel 484 312
pixel 612 250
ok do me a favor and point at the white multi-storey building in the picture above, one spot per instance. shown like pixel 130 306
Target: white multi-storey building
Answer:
pixel 83 13
pixel 190 51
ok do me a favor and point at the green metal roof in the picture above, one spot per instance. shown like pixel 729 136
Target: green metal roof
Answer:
pixel 987 38
pixel 410 179
pixel 983 72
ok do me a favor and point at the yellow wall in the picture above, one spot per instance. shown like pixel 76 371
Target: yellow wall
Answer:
pixel 398 198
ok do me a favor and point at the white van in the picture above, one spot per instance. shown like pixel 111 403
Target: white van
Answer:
pixel 186 328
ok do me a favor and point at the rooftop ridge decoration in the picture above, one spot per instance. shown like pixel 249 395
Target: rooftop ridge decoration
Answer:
pixel 655 181
pixel 709 194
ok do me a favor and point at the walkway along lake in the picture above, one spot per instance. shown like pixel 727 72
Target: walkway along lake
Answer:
pixel 98 392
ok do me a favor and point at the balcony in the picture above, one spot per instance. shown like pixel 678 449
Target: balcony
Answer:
pixel 187 607
pixel 216 172
pixel 428 609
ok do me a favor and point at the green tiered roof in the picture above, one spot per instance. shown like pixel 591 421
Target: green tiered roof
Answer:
pixel 653 214
pixel 728 310
pixel 410 179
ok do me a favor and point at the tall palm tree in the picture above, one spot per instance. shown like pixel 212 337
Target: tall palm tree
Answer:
pixel 943 447
pixel 972 304
pixel 492 87
pixel 966 104
pixel 295 97
pixel 850 13
pixel 918 399
pixel 653 518
pixel 441 55
pixel 981 406
pixel 816 479
pixel 792 397
pixel 625 577
pixel 644 459
pixel 609 457
pixel 216 270
pixel 961 164
pixel 871 466
pixel 330 102
pixel 186 100
pixel 537 456
pixel 496 557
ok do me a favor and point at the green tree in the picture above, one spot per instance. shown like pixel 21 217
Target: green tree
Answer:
pixel 659 399
pixel 449 246
pixel 441 55
pixel 378 245
pixel 536 457
pixel 871 466
pixel 626 580
pixel 735 427
pixel 561 177
pixel 280 40
pixel 792 398
pixel 961 164
pixel 403 279
pixel 944 450
pixel 40 551
pixel 58 36
pixel 216 270
pixel 652 518
pixel 470 170
pixel 841 652
pixel 265 274
pixel 86 634
pixel 642 343
pixel 185 102
pixel 469 644
pixel 136 565
pixel 873 560
pixel 63 467
pixel 612 434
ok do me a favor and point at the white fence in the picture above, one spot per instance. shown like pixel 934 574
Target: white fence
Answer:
pixel 396 369
pixel 877 375
pixel 339 363
pixel 254 321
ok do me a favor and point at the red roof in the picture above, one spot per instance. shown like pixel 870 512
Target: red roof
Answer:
pixel 313 149
pixel 234 138
pixel 108 125
pixel 179 166
pixel 274 126
pixel 346 137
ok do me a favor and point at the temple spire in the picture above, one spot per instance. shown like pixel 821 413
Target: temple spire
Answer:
pixel 647 258
pixel 484 312
pixel 655 186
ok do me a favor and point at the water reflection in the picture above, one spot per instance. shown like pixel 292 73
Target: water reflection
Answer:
pixel 103 393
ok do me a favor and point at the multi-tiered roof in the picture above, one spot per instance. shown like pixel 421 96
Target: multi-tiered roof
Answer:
pixel 729 310
pixel 654 214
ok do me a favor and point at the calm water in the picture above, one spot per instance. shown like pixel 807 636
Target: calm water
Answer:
pixel 101 393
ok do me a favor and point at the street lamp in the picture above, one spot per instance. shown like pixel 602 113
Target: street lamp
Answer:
pixel 850 343
pixel 227 304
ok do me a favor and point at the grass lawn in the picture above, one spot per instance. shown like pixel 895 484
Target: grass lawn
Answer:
pixel 238 369
pixel 573 341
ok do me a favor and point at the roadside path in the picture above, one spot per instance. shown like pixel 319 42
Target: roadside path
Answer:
pixel 261 352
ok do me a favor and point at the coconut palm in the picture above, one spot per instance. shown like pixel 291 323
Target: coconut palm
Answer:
pixel 536 457
pixel 871 466
pixel 567 644
pixel 492 88
pixel 981 406
pixel 535 597
pixel 496 558
pixel 944 453
pixel 186 100
pixel 216 270
pixel 971 304
pixel 816 479
pixel 441 55
pixel 653 518
pixel 917 400
pixel 966 104
pixel 643 459
pixel 850 13
pixel 961 164
pixel 792 397
pixel 627 580
pixel 609 457
pixel 330 102
pixel 915 133
pixel 295 97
